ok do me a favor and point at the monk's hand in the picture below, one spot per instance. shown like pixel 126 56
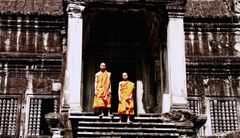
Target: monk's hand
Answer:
pixel 128 99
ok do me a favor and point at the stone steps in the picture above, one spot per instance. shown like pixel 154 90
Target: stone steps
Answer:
pixel 116 119
pixel 126 134
pixel 133 124
pixel 124 129
pixel 115 114
pixel 147 125
pixel 90 116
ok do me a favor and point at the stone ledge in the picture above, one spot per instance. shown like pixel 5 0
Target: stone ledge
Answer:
pixel 234 134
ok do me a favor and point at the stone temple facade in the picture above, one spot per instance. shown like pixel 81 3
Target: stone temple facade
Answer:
pixel 182 56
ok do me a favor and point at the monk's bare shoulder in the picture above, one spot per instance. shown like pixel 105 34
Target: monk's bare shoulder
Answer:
pixel 98 73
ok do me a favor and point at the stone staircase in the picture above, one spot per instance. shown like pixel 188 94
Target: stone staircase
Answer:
pixel 87 124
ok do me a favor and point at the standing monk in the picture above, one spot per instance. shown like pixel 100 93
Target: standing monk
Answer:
pixel 102 98
pixel 125 95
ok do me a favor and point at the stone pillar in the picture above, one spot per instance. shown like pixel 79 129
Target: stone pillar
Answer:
pixel 73 70
pixel 176 66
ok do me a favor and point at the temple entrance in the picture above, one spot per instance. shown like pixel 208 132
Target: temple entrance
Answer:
pixel 121 40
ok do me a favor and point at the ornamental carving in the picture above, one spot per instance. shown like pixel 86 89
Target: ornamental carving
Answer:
pixel 237 6
pixel 75 9
pixel 182 116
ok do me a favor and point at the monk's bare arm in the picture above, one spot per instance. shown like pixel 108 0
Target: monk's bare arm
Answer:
pixel 95 84
pixel 119 93
pixel 110 88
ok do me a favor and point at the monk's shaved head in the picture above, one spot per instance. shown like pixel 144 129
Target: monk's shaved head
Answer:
pixel 102 66
pixel 125 76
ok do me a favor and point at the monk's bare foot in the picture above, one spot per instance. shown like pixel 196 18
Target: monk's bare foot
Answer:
pixel 101 115
pixel 111 115
pixel 129 121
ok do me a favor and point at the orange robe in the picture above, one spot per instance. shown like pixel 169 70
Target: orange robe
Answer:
pixel 102 98
pixel 126 102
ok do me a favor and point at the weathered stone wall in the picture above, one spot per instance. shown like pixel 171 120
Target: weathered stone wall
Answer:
pixel 31 59
pixel 213 85
pixel 19 83
pixel 213 75
pixel 29 41
pixel 212 44
pixel 212 55
pixel 26 64
pixel 30 34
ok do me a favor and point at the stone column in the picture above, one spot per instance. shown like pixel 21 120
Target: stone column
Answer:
pixel 73 70
pixel 176 66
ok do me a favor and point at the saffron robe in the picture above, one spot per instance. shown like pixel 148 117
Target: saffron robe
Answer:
pixel 126 100
pixel 102 98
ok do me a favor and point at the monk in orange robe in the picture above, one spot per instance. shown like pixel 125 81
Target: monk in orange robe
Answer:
pixel 102 98
pixel 125 95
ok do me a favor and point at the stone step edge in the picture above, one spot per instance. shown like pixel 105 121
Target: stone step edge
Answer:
pixel 127 124
pixel 127 134
pixel 163 130
pixel 115 117
pixel 115 114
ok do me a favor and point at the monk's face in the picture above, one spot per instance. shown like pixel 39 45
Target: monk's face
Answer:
pixel 102 66
pixel 125 76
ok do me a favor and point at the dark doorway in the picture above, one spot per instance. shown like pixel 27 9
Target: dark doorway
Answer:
pixel 117 68
pixel 118 27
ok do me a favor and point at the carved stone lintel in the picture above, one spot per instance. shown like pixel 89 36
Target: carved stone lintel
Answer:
pixel 179 106
pixel 182 116
pixel 175 14
pixel 75 10
pixel 178 2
